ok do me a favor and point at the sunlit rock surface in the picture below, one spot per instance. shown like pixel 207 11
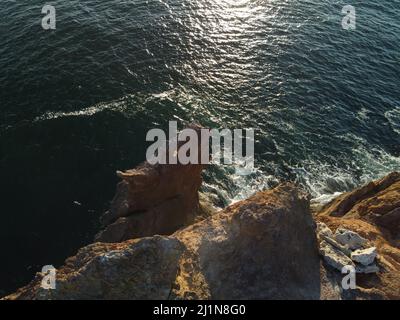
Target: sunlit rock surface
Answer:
pixel 377 202
pixel 265 247
pixel 154 199
pixel 261 248
pixel 365 212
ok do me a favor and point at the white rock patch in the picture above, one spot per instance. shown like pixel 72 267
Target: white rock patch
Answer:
pixel 346 248
pixel 350 238
pixel 365 257
pixel 334 257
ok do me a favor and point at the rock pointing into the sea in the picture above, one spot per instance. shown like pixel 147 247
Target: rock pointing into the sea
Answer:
pixel 153 199
pixel 365 257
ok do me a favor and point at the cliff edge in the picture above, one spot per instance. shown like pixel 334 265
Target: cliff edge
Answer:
pixel 265 247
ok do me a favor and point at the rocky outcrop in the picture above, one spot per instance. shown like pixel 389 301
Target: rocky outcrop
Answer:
pixel 359 217
pixel 153 199
pixel 265 247
pixel 136 269
pixel 377 202
pixel 261 248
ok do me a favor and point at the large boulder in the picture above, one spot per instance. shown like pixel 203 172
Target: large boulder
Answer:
pixel 382 279
pixel 261 248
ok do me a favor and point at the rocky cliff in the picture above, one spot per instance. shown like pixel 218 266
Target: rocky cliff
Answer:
pixel 377 203
pixel 372 211
pixel 154 199
pixel 265 247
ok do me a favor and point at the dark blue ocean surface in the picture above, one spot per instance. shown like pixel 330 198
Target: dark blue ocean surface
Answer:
pixel 76 103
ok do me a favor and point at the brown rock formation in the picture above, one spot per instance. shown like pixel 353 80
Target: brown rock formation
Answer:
pixel 136 269
pixel 373 212
pixel 377 202
pixel 153 199
pixel 261 248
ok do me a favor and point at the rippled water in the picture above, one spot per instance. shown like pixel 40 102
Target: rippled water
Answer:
pixel 77 102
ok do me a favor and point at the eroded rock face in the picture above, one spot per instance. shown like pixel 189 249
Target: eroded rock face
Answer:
pixel 377 202
pixel 153 199
pixel 364 211
pixel 261 248
pixel 136 269
pixel 265 247
pixel 384 282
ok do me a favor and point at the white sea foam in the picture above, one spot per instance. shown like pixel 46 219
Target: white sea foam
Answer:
pixel 117 105
pixel 323 181
pixel 393 117
pixel 326 198
pixel 249 185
